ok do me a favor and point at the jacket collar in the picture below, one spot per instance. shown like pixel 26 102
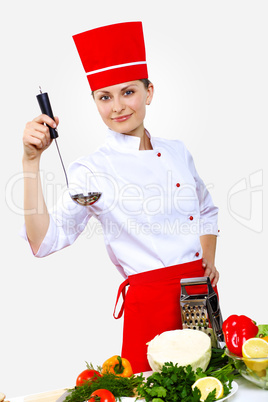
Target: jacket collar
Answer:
pixel 124 141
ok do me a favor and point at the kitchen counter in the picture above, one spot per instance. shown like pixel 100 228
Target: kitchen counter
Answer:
pixel 246 392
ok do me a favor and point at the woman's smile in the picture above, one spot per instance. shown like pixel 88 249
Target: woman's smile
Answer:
pixel 119 119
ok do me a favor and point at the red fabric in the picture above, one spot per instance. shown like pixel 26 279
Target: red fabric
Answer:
pixel 117 76
pixel 112 45
pixel 152 306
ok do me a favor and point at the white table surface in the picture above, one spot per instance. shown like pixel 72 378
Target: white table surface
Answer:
pixel 247 392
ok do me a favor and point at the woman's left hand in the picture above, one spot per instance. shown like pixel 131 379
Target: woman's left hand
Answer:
pixel 210 271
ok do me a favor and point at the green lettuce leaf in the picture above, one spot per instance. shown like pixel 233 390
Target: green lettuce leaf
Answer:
pixel 263 330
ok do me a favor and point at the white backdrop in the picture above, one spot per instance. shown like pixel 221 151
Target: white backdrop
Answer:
pixel 208 61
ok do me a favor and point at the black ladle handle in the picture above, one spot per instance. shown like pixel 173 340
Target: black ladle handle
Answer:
pixel 45 107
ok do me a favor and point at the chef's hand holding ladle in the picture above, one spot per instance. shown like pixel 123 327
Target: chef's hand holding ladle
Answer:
pixel 82 199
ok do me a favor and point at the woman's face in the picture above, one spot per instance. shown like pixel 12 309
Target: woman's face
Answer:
pixel 122 106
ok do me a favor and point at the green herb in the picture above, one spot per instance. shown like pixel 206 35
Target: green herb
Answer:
pixel 172 384
pixel 119 386
pixel 223 368
pixel 218 358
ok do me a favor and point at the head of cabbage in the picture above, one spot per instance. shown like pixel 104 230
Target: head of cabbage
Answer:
pixel 182 346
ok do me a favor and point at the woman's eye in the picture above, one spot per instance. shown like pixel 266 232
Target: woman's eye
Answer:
pixel 129 92
pixel 104 97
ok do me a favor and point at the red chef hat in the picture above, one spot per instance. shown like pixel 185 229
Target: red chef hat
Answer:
pixel 112 54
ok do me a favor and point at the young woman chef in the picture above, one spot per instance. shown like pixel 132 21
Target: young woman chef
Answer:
pixel 158 219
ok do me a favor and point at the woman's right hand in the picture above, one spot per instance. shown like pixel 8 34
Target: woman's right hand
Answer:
pixel 36 136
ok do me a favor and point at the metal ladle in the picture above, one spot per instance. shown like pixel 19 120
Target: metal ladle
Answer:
pixel 91 197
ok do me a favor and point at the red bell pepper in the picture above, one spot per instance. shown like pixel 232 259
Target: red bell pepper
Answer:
pixel 237 329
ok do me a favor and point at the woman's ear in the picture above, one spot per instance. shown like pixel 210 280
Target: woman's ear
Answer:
pixel 150 93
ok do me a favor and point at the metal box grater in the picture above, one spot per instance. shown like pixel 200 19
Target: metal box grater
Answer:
pixel 202 311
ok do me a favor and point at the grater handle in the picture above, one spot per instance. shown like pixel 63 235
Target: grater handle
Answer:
pixel 203 280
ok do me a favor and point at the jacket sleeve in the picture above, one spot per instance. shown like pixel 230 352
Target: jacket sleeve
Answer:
pixel 67 219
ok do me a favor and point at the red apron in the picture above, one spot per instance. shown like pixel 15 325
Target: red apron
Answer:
pixel 151 306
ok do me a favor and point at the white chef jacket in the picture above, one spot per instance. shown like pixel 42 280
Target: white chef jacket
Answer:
pixel 153 209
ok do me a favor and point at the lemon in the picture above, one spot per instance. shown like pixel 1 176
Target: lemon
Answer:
pixel 2 396
pixel 255 348
pixel 208 384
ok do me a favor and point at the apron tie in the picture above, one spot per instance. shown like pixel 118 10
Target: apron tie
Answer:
pixel 121 291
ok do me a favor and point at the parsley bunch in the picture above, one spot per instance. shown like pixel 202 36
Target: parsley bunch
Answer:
pixel 172 384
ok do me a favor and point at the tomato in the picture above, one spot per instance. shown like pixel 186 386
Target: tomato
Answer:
pixel 102 395
pixel 87 375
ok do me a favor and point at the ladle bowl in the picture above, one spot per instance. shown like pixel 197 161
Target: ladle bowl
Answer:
pixel 85 200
